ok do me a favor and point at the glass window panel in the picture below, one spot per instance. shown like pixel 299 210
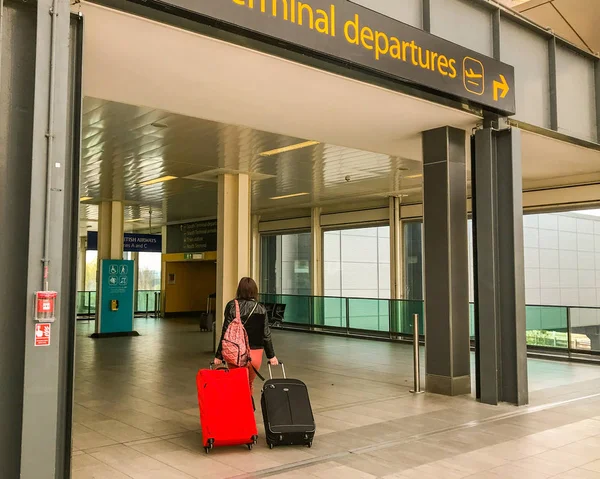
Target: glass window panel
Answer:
pixel 357 262
pixel 149 271
pixel 91 268
pixel 286 264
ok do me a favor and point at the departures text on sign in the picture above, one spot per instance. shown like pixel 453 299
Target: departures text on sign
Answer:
pixel 382 44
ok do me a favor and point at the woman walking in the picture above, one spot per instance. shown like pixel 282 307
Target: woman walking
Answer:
pixel 253 316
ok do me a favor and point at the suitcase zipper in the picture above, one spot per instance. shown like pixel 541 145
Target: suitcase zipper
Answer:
pixel 287 391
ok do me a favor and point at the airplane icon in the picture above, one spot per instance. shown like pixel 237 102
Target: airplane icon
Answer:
pixel 473 76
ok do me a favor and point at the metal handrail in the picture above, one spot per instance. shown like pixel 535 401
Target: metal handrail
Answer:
pixel 399 331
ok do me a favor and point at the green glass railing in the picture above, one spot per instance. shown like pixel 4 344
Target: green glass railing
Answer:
pixel 86 303
pixel 361 315
pixel 552 327
pixel 145 303
pixel 547 326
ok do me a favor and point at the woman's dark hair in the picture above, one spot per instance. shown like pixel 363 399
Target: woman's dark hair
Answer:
pixel 247 289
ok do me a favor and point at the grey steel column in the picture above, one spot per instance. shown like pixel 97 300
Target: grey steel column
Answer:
pixel 17 83
pixel 499 267
pixel 48 376
pixel 447 342
pixel 597 89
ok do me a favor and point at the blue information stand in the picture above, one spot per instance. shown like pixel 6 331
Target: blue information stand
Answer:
pixel 115 305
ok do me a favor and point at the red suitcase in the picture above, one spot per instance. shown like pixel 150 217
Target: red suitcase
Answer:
pixel 226 411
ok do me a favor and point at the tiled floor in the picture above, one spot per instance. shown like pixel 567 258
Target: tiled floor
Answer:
pixel 136 415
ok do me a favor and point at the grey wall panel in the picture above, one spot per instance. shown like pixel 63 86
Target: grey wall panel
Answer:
pixel 406 11
pixel 576 94
pixel 17 73
pixel 528 53
pixel 463 23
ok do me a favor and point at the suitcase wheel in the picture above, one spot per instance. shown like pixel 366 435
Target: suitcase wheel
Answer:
pixel 255 439
pixel 309 444
pixel 270 446
pixel 210 445
pixel 250 446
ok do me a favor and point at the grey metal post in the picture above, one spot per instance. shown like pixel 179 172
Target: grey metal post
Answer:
pixel 427 15
pixel 416 356
pixel 448 364
pixel 597 91
pixel 496 33
pixel 569 332
pixel 391 306
pixel 499 271
pixel 552 72
pixel 347 316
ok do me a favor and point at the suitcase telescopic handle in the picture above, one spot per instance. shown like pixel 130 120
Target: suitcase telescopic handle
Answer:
pixel 224 366
pixel 282 370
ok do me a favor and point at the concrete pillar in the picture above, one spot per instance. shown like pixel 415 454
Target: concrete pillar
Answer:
pixel 256 252
pixel 111 225
pixel 316 268
pixel 446 262
pixel 396 265
pixel 316 258
pixel 396 250
pixel 233 239
pixel 500 323
pixel 111 228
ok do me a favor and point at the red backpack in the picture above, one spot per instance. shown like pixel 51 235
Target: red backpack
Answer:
pixel 235 346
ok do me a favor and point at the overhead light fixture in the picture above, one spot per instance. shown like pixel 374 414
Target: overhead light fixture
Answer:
pixel 85 198
pixel 285 149
pixel 412 177
pixel 155 181
pixel 158 124
pixel 295 195
pixel 134 221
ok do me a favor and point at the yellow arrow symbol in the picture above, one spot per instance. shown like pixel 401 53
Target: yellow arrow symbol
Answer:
pixel 501 86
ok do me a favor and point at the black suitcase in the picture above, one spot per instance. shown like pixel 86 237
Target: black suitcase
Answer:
pixel 207 319
pixel 287 412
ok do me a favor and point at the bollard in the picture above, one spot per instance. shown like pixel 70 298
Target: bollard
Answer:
pixel 417 358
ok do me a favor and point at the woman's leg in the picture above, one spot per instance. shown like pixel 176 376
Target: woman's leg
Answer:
pixel 257 357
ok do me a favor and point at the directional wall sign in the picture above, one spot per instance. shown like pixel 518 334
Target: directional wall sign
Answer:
pixel 132 242
pixel 354 34
pixel 198 237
